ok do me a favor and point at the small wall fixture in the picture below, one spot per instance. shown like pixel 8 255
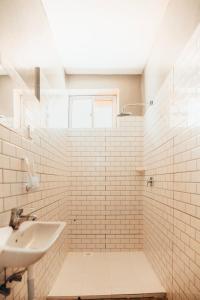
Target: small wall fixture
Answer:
pixel 150 181
pixel 151 102
pixel 32 180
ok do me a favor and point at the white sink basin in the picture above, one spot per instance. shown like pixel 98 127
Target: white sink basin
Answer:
pixel 25 246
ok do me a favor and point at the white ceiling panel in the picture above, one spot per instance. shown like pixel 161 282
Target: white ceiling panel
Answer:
pixel 104 36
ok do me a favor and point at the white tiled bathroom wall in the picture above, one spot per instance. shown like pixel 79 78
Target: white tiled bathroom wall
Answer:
pixel 46 149
pixel 105 197
pixel 172 157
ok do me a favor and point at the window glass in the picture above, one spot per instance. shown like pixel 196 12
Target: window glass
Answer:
pixel 91 111
pixel 103 113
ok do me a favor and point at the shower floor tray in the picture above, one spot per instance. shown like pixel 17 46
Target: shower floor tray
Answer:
pixel 107 275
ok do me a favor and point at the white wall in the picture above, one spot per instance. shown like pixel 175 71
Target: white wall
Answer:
pixel 171 152
pixel 179 22
pixel 105 189
pixel 171 157
pixel 6 96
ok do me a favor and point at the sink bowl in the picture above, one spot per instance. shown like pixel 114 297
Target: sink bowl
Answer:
pixel 25 246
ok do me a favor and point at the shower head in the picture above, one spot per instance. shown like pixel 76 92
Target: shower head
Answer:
pixel 124 114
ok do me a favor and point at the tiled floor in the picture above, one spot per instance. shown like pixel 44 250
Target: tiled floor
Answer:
pixel 106 275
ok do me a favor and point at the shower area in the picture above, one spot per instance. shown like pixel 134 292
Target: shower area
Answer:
pixel 105 228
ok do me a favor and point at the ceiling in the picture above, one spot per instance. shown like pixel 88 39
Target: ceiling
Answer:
pixel 104 36
pixel 26 41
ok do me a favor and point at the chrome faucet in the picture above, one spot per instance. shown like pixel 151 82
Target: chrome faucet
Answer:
pixel 17 218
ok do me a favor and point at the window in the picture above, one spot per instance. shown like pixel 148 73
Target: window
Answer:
pixel 92 111
pixel 80 112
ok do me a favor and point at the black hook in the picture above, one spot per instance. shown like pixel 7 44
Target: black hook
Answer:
pixel 4 290
pixel 14 277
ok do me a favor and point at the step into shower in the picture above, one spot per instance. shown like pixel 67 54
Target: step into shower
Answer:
pixel 114 297
pixel 138 297
pixel 107 275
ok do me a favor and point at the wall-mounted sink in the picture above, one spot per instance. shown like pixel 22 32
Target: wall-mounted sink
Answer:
pixel 25 246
